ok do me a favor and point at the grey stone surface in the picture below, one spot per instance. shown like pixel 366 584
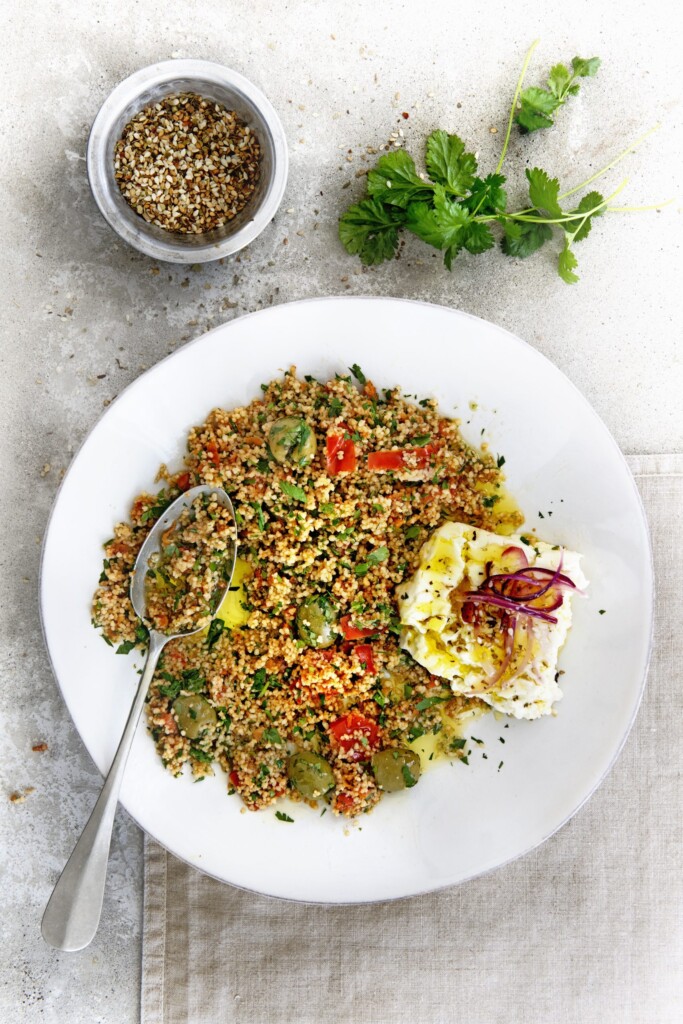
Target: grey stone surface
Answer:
pixel 83 315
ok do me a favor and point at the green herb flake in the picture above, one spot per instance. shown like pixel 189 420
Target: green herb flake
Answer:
pixel 358 374
pixel 126 647
pixel 281 816
pixel 215 629
pixel 260 518
pixel 429 702
pixel 292 490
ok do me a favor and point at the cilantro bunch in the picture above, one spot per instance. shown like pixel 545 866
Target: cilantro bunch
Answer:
pixel 452 207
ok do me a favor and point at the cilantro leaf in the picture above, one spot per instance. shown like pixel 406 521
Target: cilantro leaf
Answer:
pixel 566 264
pixel 531 116
pixel 486 195
pixel 450 254
pixel 358 374
pixel 523 239
pixel 421 221
pixel 395 181
pixel 580 227
pixel 585 68
pixel 370 230
pixel 440 225
pixel 292 491
pixel 281 816
pixel 448 164
pixel 477 237
pixel 452 217
pixel 559 80
pixel 544 191
pixel 539 100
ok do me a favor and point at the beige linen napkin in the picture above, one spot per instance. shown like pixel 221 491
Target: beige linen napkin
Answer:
pixel 585 930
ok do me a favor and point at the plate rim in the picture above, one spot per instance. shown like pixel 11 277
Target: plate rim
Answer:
pixel 650 595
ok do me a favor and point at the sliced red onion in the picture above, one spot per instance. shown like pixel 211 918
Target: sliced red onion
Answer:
pixel 504 581
pixel 515 554
pixel 503 602
pixel 509 647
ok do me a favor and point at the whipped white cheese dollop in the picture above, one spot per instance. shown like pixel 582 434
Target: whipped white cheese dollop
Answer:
pixel 505 655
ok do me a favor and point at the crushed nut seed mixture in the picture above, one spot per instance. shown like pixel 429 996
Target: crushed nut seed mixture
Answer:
pixel 187 163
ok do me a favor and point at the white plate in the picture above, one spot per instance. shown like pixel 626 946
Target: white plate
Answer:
pixel 461 820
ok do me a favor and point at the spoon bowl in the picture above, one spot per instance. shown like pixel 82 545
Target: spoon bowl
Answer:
pixel 152 544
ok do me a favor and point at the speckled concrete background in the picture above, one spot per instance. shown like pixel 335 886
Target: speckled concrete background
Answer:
pixel 84 314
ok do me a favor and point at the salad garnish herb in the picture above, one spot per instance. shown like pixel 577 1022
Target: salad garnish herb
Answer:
pixel 451 207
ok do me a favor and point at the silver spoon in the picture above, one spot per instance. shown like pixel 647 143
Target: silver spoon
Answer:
pixel 72 914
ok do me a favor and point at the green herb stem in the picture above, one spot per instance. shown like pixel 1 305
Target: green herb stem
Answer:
pixel 524 218
pixel 608 167
pixel 515 98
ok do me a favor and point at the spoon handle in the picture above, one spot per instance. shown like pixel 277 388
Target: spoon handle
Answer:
pixel 72 914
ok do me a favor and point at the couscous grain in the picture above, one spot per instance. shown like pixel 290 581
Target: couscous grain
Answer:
pixel 335 487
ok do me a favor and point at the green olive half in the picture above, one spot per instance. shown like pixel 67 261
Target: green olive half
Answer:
pixel 316 620
pixel 310 774
pixel 291 440
pixel 195 715
pixel 397 768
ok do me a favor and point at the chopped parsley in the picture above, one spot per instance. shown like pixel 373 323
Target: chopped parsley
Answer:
pixel 215 629
pixel 429 702
pixel 408 776
pixel 374 558
pixel 126 647
pixel 358 374
pixel 260 518
pixel 292 490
